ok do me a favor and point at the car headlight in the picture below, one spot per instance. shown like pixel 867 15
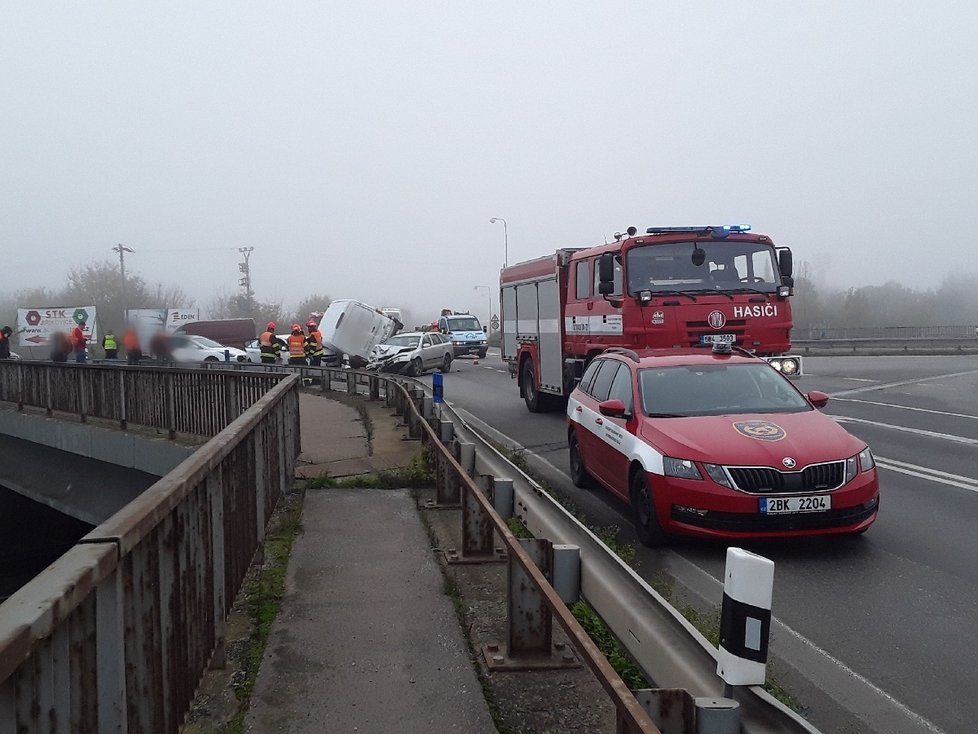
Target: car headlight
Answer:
pixel 866 460
pixel 680 468
pixel 851 468
pixel 716 473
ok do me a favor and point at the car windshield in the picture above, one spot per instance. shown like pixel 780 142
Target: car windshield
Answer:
pixel 404 340
pixel 715 389
pixel 470 323
pixel 729 265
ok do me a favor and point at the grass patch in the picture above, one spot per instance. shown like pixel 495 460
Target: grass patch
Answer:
pixel 418 473
pixel 517 528
pixel 260 599
pixel 606 641
pixel 516 457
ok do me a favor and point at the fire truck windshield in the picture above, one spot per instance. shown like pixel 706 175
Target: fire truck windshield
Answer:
pixel 728 266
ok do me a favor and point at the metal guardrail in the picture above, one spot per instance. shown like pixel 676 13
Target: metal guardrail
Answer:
pixel 116 633
pixel 815 333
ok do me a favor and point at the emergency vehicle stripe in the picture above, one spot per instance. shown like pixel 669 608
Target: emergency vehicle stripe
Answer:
pixel 616 437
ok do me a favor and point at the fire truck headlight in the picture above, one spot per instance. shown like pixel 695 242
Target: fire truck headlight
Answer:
pixel 789 366
pixel 646 296
pixel 784 291
pixel 776 363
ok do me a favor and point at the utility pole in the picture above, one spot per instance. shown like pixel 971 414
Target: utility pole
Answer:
pixel 245 282
pixel 122 250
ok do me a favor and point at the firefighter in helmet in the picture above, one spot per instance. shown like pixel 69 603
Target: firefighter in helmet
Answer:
pixel 269 345
pixel 297 346
pixel 314 344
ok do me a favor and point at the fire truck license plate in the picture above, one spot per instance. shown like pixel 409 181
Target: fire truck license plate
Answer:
pixel 787 505
pixel 714 338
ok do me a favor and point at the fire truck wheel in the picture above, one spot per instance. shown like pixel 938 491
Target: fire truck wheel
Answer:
pixel 579 474
pixel 647 525
pixel 534 400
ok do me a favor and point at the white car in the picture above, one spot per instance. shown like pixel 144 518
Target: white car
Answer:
pixel 254 351
pixel 186 348
pixel 412 353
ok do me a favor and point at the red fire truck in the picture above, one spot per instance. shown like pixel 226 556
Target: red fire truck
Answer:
pixel 669 287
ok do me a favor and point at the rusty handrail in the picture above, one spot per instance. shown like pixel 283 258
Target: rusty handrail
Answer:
pixel 635 717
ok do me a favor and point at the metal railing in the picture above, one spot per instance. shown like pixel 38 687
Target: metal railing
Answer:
pixel 176 400
pixel 967 331
pixel 117 632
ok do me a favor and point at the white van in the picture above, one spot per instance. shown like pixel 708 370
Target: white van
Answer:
pixel 354 328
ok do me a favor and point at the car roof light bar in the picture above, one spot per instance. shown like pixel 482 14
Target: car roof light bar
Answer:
pixel 722 229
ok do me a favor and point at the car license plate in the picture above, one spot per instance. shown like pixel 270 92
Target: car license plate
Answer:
pixel 788 505
pixel 718 338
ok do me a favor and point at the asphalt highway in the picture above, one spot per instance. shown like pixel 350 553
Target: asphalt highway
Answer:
pixel 875 633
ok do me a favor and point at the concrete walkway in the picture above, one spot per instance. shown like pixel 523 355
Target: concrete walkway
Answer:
pixel 366 639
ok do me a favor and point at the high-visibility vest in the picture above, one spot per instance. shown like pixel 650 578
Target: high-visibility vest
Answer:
pixel 315 343
pixel 265 339
pixel 297 345
pixel 109 342
pixel 131 341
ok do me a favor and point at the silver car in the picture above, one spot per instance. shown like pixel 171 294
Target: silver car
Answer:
pixel 412 353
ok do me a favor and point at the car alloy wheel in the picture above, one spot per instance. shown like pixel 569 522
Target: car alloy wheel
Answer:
pixel 416 367
pixel 446 363
pixel 647 525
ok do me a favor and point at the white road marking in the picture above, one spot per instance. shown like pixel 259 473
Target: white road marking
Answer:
pixel 859 379
pixel 907 429
pixel 907 407
pixel 901 383
pixel 931 475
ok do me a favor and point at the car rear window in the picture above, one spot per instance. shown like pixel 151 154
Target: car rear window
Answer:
pixel 602 381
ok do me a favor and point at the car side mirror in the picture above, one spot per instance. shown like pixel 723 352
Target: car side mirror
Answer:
pixel 614 408
pixel 817 398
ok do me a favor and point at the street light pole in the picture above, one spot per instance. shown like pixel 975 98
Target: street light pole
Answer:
pixel 505 239
pixel 122 249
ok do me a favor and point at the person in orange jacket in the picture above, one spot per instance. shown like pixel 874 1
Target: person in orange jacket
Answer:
pixel 130 342
pixel 269 345
pixel 314 344
pixel 297 346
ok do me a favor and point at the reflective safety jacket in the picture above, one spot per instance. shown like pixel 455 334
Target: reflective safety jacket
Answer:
pixel 130 341
pixel 270 345
pixel 314 344
pixel 109 342
pixel 297 345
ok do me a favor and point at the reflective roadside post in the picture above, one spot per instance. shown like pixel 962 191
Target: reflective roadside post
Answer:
pixel 745 626
pixel 437 388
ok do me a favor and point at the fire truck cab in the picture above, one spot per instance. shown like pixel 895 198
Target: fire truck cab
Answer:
pixel 669 287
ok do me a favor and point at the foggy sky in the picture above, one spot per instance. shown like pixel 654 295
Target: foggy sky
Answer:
pixel 361 148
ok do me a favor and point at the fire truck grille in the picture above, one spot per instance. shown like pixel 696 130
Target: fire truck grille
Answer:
pixel 764 480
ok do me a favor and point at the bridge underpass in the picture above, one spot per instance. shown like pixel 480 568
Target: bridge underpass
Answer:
pixel 51 497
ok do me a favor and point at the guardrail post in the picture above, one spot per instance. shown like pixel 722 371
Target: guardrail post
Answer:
pixel 502 497
pixel 351 383
pixel 671 710
pixel 446 431
pixel 567 573
pixel 447 488
pixel 216 492
pixel 374 383
pixel 478 532
pixel 83 394
pixel 530 643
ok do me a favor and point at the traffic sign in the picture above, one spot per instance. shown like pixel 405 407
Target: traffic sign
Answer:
pixel 494 323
